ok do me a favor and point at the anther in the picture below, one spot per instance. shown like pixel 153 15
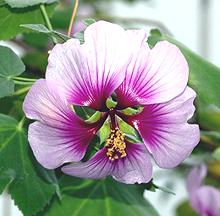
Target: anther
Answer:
pixel 116 145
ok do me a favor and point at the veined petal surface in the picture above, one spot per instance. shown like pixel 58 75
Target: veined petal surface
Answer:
pixel 88 74
pixel 153 76
pixel 136 167
pixel 165 131
pixel 59 136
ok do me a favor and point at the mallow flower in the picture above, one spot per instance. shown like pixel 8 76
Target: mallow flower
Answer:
pixel 204 199
pixel 117 63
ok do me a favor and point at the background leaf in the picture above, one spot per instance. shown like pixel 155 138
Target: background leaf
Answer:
pixel 12 18
pixel 30 192
pixel 104 197
pixel 88 22
pixel 26 3
pixel 10 66
pixel 185 209
pixel 38 41
pixel 36 60
pixel 6 179
pixel 43 29
pixel 216 154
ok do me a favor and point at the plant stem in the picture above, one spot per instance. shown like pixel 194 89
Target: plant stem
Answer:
pixel 47 20
pixel 24 79
pixel 73 17
pixel 21 91
pixel 21 123
pixel 22 83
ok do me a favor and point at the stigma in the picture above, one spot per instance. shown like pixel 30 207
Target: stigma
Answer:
pixel 116 145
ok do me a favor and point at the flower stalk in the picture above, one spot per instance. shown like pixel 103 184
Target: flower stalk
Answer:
pixel 22 83
pixel 23 80
pixel 21 91
pixel 47 21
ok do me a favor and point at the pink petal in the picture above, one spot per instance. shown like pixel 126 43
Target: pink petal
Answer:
pixel 53 146
pixel 153 76
pixel 60 136
pixel 206 201
pixel 88 74
pixel 135 167
pixel 165 131
pixel 195 177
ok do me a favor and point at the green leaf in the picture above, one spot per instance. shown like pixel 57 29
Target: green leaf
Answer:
pixel 2 2
pixel 185 209
pixel 110 103
pixel 5 179
pixel 132 111
pixel 30 192
pixel 95 117
pixel 104 197
pixel 11 18
pixel 209 115
pixel 37 27
pixel 151 186
pixel 88 21
pixel 50 177
pixel 164 189
pixel 94 146
pixel 61 18
pixel 10 66
pixel 27 3
pixel 104 132
pixel 36 60
pixel 80 36
pixel 39 41
pixel 43 29
pixel 216 154
pixel 126 128
pixel 204 78
pixel 211 137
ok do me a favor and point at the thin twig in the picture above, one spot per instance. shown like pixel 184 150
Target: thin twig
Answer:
pixel 73 17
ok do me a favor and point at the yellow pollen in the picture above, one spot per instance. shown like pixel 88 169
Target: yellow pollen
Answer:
pixel 115 145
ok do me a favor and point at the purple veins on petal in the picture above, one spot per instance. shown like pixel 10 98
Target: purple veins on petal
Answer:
pixel 165 131
pixel 88 74
pixel 60 136
pixel 153 76
pixel 134 167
